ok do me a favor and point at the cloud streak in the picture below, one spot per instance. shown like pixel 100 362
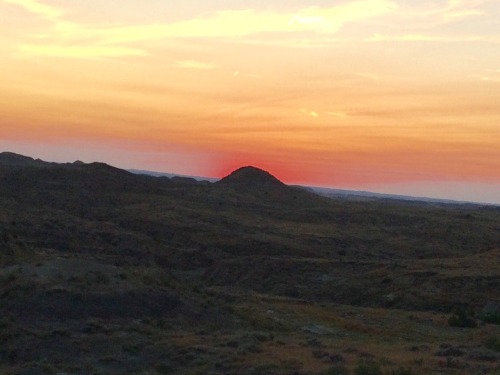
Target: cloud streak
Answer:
pixel 38 8
pixel 225 24
pixel 81 52
pixel 193 64
pixel 433 38
pixel 308 27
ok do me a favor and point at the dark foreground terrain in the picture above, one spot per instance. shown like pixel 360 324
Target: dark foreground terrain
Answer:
pixel 107 272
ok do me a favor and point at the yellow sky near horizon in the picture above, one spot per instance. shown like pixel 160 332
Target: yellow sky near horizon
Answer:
pixel 337 93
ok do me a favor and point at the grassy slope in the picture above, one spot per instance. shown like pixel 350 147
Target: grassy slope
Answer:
pixel 107 272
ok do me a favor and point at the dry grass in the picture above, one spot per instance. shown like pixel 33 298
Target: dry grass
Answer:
pixel 132 274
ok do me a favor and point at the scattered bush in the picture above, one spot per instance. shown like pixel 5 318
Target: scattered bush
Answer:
pixel 491 318
pixel 483 355
pixel 101 278
pixel 337 370
pixel 5 322
pixel 493 343
pixel 450 351
pixel 491 312
pixel 319 354
pixel 402 371
pixel 419 361
pixel 462 319
pixel 263 369
pixel 368 368
pixel 164 369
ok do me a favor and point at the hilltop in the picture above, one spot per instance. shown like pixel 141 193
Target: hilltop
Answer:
pixel 15 160
pixel 251 177
pixel 127 273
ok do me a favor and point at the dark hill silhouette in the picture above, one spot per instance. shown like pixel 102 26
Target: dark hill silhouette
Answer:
pixel 15 160
pixel 261 187
pixel 251 177
pixel 101 168
pixel 77 184
pixel 11 159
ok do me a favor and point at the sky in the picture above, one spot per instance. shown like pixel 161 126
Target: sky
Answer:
pixel 396 96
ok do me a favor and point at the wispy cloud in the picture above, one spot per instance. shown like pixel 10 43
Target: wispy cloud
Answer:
pixel 463 8
pixel 316 113
pixel 331 19
pixel 434 38
pixel 492 75
pixel 307 27
pixel 193 64
pixel 38 8
pixel 234 23
pixel 435 21
pixel 237 24
pixel 309 112
pixel 82 51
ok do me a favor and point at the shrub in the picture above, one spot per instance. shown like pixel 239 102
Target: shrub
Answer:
pixel 491 318
pixel 491 312
pixel 492 343
pixel 461 319
pixel 337 370
pixel 401 371
pixel 368 369
pixel 164 369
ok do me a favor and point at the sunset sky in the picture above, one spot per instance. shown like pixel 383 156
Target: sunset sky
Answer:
pixel 397 96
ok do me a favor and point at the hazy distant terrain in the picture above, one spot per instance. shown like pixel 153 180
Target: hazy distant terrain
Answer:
pixel 104 271
pixel 327 192
pixel 366 195
pixel 171 175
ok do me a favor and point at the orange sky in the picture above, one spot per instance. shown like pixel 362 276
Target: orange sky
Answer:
pixel 364 94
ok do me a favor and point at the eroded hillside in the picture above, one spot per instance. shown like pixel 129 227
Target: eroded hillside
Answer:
pixel 108 272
